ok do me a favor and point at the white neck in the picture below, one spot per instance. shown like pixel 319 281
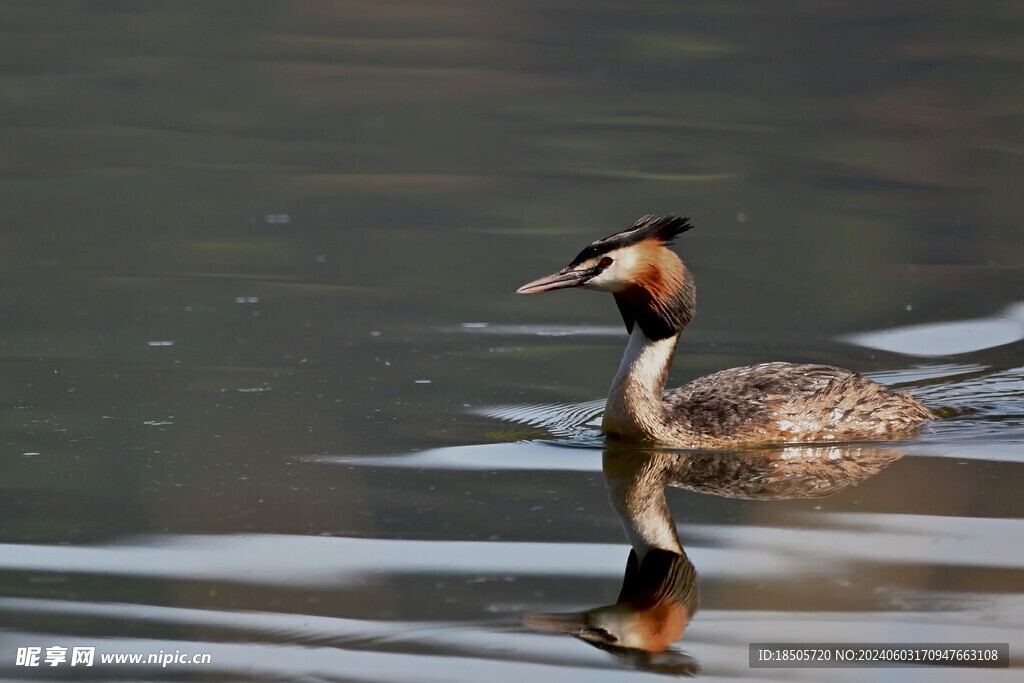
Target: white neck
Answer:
pixel 650 525
pixel 634 409
pixel 636 489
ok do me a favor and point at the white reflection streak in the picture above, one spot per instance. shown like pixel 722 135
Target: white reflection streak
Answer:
pixel 946 338
pixel 279 559
pixel 298 627
pixel 895 538
pixel 539 330
pixel 284 559
pixel 526 456
pixel 302 662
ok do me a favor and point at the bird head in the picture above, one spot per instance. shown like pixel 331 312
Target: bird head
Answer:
pixel 651 285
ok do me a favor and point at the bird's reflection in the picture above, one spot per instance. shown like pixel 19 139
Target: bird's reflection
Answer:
pixel 660 588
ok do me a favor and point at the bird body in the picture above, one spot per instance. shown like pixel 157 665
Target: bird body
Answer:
pixel 757 404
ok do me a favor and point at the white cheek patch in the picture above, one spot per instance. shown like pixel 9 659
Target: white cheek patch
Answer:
pixel 619 275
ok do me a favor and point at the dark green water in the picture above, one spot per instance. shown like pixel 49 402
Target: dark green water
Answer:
pixel 250 250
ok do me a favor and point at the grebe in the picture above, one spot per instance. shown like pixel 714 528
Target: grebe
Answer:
pixel 660 588
pixel 660 591
pixel 757 404
pixel 659 596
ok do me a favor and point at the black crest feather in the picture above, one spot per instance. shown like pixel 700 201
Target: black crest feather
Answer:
pixel 664 228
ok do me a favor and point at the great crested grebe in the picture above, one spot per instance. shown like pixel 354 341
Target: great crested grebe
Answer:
pixel 661 588
pixel 757 404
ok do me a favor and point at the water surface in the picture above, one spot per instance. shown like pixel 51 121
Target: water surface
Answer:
pixel 267 393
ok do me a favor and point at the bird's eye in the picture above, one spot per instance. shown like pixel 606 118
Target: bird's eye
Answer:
pixel 607 261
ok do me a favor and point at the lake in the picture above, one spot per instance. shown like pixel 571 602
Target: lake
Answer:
pixel 268 395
